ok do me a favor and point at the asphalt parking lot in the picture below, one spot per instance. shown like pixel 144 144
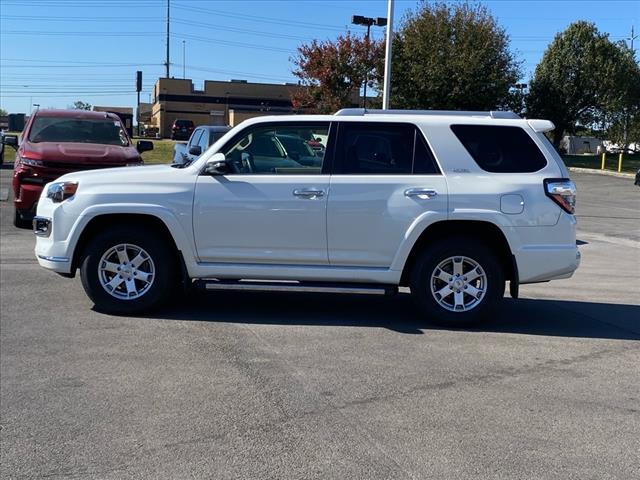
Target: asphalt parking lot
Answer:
pixel 263 386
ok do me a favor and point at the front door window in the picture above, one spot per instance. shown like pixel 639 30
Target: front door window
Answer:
pixel 283 149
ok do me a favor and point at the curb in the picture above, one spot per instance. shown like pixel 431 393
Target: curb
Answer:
pixel 601 172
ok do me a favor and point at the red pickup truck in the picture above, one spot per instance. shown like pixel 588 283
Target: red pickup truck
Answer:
pixel 55 142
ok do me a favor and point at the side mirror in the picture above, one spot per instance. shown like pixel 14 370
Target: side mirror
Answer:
pixel 11 140
pixel 195 150
pixel 144 146
pixel 217 165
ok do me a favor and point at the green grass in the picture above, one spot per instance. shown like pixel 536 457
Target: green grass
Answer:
pixel 162 152
pixel 630 163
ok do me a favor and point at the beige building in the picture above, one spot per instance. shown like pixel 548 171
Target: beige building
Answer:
pixel 219 103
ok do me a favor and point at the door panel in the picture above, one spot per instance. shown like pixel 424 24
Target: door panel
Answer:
pixel 272 209
pixel 386 179
pixel 368 216
pixel 258 219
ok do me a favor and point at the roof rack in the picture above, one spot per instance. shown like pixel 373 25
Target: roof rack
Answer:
pixel 355 112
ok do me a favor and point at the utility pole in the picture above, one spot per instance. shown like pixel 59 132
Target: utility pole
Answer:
pixel 168 22
pixel 184 49
pixel 387 57
pixel 625 132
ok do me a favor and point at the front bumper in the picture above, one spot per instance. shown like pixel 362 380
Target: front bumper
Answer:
pixel 53 228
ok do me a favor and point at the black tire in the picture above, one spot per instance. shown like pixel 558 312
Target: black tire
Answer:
pixel 160 253
pixel 432 257
pixel 20 222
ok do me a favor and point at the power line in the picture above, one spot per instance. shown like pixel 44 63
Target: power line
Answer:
pixel 79 33
pixel 253 46
pixel 84 19
pixel 262 19
pixel 72 61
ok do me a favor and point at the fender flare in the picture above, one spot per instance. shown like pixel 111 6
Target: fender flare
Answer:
pixel 183 241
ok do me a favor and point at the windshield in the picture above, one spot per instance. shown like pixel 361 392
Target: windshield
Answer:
pixel 75 130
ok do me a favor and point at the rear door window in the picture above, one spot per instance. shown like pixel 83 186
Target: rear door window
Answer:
pixel 215 136
pixel 500 149
pixel 375 148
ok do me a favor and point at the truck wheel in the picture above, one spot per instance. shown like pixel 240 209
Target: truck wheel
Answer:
pixel 127 270
pixel 20 222
pixel 457 283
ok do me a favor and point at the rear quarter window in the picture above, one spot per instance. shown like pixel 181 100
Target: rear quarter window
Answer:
pixel 500 149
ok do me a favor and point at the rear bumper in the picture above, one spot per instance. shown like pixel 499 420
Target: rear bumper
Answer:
pixel 547 262
pixel 548 253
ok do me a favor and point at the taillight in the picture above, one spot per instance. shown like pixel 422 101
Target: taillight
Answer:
pixel 562 191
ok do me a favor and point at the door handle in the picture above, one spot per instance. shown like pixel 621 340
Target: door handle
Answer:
pixel 421 193
pixel 308 193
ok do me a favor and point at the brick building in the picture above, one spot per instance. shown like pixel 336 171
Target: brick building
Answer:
pixel 218 103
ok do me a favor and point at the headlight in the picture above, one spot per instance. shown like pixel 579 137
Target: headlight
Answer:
pixel 29 162
pixel 60 191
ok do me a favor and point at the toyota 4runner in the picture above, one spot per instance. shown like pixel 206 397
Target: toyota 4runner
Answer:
pixel 449 204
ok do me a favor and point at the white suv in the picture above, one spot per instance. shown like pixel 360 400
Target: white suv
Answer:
pixel 449 204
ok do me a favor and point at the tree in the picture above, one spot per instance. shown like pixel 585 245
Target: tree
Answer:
pixel 452 57
pixel 583 78
pixel 332 72
pixel 624 129
pixel 80 105
pixel 3 112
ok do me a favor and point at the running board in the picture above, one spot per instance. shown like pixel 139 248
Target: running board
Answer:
pixel 292 286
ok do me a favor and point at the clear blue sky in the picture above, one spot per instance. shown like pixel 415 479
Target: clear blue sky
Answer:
pixel 54 52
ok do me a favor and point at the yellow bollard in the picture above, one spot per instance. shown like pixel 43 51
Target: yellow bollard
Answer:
pixel 619 163
pixel 604 157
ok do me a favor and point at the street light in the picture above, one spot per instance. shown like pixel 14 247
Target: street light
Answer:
pixel 368 22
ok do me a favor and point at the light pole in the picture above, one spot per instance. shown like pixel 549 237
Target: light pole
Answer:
pixel 184 43
pixel 367 21
pixel 386 89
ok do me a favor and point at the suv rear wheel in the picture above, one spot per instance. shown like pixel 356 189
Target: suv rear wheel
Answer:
pixel 457 283
pixel 126 270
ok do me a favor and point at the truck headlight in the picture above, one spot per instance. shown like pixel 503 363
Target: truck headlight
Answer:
pixel 30 162
pixel 60 191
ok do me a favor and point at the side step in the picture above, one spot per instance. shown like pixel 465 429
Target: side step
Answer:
pixel 294 286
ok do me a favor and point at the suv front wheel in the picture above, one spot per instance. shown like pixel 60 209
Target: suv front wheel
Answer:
pixel 127 271
pixel 457 283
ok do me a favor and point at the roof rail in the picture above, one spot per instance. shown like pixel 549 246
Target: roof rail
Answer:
pixel 355 112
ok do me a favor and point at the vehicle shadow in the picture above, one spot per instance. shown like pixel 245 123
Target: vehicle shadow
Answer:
pixel 525 316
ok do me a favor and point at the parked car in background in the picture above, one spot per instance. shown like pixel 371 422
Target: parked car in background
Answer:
pixel 57 142
pixel 450 204
pixel 637 182
pixel 201 139
pixel 298 149
pixel 1 146
pixel 182 129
